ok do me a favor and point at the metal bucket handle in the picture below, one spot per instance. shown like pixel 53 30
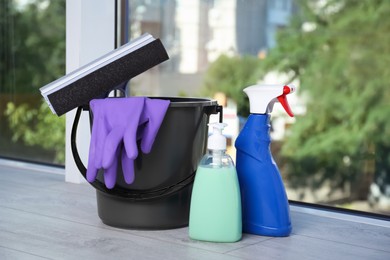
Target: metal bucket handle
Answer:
pixel 133 194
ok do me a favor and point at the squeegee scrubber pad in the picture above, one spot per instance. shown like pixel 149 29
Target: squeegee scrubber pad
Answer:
pixel 103 80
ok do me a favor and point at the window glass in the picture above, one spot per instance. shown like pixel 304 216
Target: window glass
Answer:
pixel 336 150
pixel 32 54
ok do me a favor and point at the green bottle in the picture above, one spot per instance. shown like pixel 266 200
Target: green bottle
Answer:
pixel 215 213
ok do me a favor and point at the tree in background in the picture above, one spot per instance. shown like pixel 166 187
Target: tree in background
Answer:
pixel 34 42
pixel 231 75
pixel 38 127
pixel 340 52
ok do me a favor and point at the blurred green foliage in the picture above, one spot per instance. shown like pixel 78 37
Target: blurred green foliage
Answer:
pixel 231 75
pixel 32 54
pixel 340 52
pixel 38 127
pixel 33 45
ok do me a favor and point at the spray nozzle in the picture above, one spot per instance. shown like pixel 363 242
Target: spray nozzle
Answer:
pixel 217 141
pixel 263 97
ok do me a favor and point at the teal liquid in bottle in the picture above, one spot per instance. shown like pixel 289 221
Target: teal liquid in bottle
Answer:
pixel 215 213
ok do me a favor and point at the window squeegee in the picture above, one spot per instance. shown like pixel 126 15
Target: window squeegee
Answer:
pixel 97 78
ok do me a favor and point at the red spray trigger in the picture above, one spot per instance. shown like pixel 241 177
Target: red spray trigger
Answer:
pixel 283 100
pixel 263 97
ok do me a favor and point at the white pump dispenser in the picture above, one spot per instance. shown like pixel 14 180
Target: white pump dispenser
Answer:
pixel 216 143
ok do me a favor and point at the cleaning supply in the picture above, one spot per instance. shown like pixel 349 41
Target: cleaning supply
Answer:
pixel 264 200
pixel 215 212
pixel 111 119
pixel 121 122
pixel 97 78
pixel 160 196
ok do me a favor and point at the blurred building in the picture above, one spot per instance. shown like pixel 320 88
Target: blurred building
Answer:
pixel 196 32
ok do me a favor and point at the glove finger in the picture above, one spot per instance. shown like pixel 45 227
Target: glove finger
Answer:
pixel 130 142
pixel 130 136
pixel 101 136
pixel 91 169
pixel 98 134
pixel 110 173
pixel 93 142
pixel 91 172
pixel 155 110
pixel 94 158
pixel 111 145
pixel 128 169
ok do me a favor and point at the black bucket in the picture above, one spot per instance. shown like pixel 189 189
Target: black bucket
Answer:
pixel 159 197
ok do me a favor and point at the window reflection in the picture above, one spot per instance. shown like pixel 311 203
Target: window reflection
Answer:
pixel 217 47
pixel 32 46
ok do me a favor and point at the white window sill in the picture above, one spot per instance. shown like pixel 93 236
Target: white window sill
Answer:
pixel 42 216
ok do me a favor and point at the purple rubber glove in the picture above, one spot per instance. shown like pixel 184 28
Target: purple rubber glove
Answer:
pixel 153 114
pixel 120 123
pixel 150 121
pixel 115 121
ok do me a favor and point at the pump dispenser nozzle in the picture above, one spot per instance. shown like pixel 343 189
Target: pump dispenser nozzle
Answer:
pixel 263 97
pixel 217 141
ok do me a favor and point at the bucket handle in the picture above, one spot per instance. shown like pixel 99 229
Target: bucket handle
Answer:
pixel 126 193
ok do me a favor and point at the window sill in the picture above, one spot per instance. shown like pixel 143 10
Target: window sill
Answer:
pixel 43 216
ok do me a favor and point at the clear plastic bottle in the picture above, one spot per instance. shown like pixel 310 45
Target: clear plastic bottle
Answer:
pixel 215 213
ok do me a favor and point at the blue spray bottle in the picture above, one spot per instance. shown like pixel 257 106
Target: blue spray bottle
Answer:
pixel 265 209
